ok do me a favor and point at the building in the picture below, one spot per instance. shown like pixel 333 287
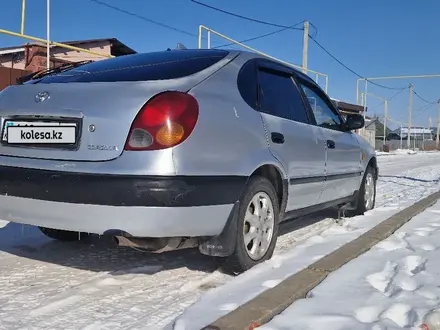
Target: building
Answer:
pixel 348 108
pixel 417 133
pixel 32 57
pixel 369 131
pixel 22 60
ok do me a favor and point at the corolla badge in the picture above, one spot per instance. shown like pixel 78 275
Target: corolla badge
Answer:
pixel 42 96
pixel 102 147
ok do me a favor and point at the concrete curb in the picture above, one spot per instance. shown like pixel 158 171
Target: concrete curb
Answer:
pixel 272 302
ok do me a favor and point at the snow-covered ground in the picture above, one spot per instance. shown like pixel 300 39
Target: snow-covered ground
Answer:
pixel 392 286
pixel 94 285
pixel 402 152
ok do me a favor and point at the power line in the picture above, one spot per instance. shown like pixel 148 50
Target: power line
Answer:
pixel 351 70
pixel 244 17
pixel 316 29
pixel 250 19
pixel 395 95
pixel 260 36
pixel 284 26
pixel 192 34
pixel 424 100
pixel 419 110
pixel 149 20
pixel 422 109
pixel 391 98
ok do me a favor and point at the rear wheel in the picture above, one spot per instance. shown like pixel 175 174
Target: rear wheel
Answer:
pixel 63 235
pixel 257 230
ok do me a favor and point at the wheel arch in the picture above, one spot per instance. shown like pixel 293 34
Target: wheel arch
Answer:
pixel 222 245
pixel 373 164
pixel 276 176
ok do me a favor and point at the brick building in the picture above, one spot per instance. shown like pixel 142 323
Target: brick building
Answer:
pixel 32 57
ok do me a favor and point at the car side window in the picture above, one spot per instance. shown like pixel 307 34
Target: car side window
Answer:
pixel 247 84
pixel 278 96
pixel 324 114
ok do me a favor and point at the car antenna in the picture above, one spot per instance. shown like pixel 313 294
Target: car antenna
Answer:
pixel 180 46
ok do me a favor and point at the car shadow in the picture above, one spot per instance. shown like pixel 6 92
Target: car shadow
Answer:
pixel 291 225
pixel 101 254
pixel 97 253
pixel 409 178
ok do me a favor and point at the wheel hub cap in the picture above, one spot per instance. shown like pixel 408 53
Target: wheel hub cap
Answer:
pixel 258 226
pixel 369 191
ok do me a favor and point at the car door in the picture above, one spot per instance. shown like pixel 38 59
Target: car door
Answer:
pixel 291 136
pixel 343 152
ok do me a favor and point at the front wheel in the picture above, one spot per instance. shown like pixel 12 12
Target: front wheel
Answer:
pixel 257 227
pixel 63 235
pixel 367 193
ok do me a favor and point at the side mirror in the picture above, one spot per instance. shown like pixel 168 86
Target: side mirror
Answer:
pixel 354 122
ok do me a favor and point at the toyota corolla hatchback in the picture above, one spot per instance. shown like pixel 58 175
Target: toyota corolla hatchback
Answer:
pixel 177 149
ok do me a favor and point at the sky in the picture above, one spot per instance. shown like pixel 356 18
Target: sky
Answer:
pixel 374 38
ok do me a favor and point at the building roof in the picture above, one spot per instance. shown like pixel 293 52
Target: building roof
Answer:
pixel 414 130
pixel 115 43
pixel 348 107
pixel 118 48
pixel 11 50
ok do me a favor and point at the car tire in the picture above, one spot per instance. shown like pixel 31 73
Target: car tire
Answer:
pixel 253 221
pixel 63 235
pixel 367 193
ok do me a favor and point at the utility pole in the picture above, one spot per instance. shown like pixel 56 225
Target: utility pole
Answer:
pixel 401 128
pixel 430 128
pixel 385 123
pixel 438 125
pixel 305 46
pixel 364 129
pixel 23 11
pixel 410 115
pixel 48 34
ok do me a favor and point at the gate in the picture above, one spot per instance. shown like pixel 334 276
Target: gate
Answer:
pixel 8 76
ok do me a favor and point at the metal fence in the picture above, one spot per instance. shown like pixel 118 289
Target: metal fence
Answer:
pixel 397 144
pixel 314 74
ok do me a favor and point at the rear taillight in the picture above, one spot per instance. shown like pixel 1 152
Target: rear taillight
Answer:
pixel 163 122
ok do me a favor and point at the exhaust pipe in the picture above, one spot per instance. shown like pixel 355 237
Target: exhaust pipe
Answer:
pixel 157 245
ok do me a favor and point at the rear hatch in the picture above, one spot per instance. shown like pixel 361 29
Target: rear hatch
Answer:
pixel 85 114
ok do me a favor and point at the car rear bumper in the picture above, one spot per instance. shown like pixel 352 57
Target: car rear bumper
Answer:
pixel 142 206
pixel 100 219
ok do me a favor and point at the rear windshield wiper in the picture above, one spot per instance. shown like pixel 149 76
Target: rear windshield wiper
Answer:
pixel 43 73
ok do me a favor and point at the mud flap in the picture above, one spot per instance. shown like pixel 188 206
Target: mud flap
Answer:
pixel 223 245
pixel 350 206
pixel 354 204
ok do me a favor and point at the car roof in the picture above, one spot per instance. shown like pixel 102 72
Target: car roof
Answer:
pixel 245 54
pixel 251 55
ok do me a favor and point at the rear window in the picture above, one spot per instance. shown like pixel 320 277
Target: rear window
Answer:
pixel 141 67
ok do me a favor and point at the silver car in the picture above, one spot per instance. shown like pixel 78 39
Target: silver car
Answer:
pixel 178 149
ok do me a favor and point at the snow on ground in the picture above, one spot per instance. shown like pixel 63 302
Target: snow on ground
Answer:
pixel 403 180
pixel 392 286
pixel 94 285
pixel 403 152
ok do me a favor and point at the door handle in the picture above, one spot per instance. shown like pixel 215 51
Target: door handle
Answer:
pixel 277 137
pixel 331 144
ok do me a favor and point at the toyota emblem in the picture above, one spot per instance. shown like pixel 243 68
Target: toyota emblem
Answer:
pixel 42 96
